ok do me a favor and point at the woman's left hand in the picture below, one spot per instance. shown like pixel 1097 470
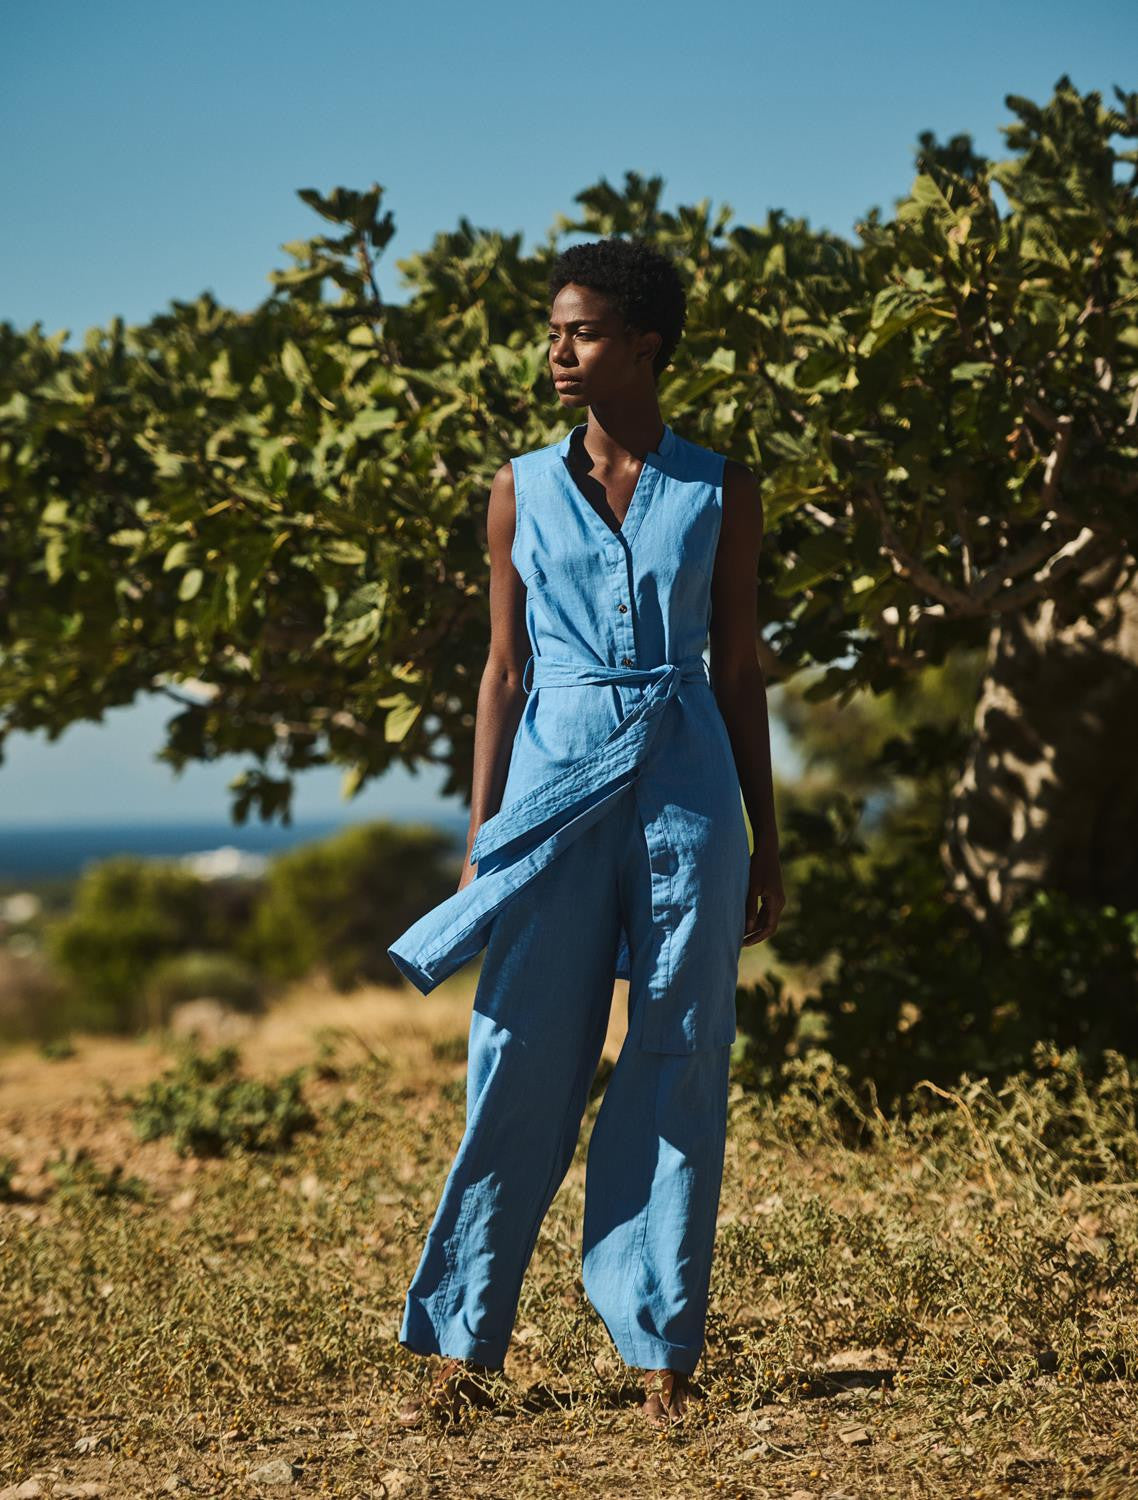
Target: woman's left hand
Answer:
pixel 765 886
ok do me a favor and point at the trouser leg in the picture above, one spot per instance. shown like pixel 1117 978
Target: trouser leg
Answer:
pixel 536 1032
pixel 653 1176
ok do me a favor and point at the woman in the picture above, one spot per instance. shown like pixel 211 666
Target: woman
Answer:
pixel 606 839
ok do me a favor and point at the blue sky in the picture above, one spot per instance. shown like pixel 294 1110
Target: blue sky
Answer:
pixel 153 152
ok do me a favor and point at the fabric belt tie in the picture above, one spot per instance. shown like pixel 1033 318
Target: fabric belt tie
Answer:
pixel 610 765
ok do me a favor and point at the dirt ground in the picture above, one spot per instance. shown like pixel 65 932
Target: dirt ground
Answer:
pixel 230 1331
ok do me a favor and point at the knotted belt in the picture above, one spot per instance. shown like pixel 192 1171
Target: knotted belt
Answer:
pixel 521 840
pixel 612 763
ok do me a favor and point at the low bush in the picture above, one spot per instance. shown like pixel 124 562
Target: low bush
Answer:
pixel 208 1109
pixel 903 984
pixel 128 915
pixel 199 973
pixel 337 903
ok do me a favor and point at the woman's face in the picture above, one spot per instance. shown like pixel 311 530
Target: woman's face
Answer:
pixel 593 357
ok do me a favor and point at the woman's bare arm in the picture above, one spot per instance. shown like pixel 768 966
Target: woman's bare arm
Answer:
pixel 740 687
pixel 501 696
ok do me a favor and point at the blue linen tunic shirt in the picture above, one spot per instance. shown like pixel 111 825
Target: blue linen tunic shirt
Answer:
pixel 618 701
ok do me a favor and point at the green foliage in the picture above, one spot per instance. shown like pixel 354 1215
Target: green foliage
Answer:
pixel 197 973
pixel 912 987
pixel 338 902
pixel 128 915
pixel 277 519
pixel 768 1030
pixel 144 934
pixel 899 750
pixel 210 1110
pixel 57 1048
pixel 79 1178
pixel 283 510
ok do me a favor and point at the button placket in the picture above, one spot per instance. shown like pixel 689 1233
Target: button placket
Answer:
pixel 626 629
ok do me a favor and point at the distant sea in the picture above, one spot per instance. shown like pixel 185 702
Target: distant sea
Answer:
pixel 35 850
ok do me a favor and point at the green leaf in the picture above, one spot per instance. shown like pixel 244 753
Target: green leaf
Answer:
pixel 349 554
pixel 971 369
pixel 294 364
pixel 820 556
pixel 53 556
pixel 372 420
pixel 359 621
pixel 399 719
pixel 190 585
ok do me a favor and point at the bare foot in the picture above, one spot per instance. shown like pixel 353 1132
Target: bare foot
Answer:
pixel 666 1395
pixel 454 1385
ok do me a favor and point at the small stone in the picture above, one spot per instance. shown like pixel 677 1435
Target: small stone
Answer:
pixel 276 1471
pixel 91 1442
pixel 396 1484
pixel 310 1187
pixel 31 1489
pixel 854 1433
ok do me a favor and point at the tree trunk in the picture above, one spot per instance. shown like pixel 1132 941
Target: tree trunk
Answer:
pixel 1048 797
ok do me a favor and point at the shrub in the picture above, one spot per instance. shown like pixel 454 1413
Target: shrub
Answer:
pixel 339 902
pixel 144 934
pixel 209 1109
pixel 129 914
pixel 198 973
pixel 79 1178
pixel 914 988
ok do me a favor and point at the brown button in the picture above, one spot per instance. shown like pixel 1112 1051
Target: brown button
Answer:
pixel 623 608
pixel 626 661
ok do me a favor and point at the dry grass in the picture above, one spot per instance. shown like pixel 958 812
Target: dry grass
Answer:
pixel 946 1308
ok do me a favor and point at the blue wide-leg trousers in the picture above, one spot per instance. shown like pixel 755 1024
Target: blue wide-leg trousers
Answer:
pixel 655 1157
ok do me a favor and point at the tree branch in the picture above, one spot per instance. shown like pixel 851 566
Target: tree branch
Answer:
pixel 1038 550
pixel 1074 553
pixel 1054 465
pixel 913 570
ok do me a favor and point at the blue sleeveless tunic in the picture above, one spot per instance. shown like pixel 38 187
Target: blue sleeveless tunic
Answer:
pixel 619 702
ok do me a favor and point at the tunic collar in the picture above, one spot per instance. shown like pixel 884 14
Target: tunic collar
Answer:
pixel 667 442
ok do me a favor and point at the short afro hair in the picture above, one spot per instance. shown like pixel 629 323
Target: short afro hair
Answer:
pixel 640 281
